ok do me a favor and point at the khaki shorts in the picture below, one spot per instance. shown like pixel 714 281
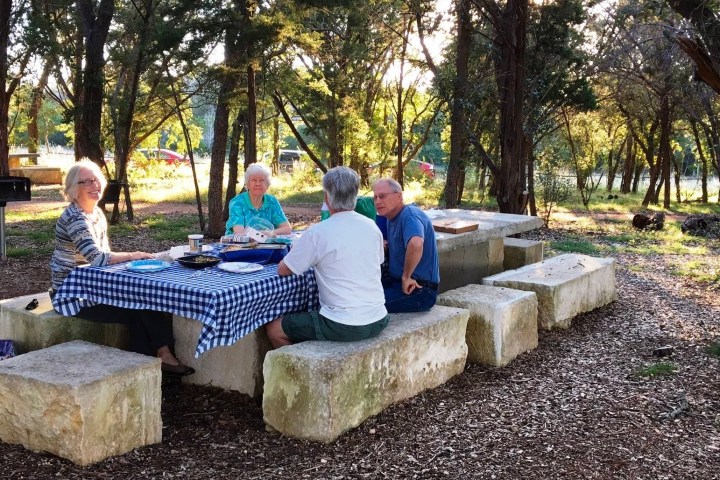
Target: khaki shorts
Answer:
pixel 303 326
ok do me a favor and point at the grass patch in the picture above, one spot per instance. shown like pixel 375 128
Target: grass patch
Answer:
pixel 171 228
pixel 37 236
pixel 21 252
pixel 656 370
pixel 576 245
pixel 621 238
pixel 50 215
pixel 703 269
pixel 714 350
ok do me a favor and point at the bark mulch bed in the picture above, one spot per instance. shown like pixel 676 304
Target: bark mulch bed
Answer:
pixel 575 407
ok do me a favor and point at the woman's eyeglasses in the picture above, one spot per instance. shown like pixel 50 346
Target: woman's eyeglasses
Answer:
pixel 89 181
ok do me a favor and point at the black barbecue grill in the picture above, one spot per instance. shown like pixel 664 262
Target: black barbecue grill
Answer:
pixel 12 189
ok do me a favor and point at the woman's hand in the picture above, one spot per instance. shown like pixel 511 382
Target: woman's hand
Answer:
pixel 119 257
pixel 140 255
pixel 238 229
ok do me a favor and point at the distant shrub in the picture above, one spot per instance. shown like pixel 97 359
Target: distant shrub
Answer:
pixel 551 190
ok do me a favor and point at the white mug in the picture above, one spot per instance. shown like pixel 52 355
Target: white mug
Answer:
pixel 195 241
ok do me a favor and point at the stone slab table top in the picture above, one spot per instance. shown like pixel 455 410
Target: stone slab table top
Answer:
pixel 490 225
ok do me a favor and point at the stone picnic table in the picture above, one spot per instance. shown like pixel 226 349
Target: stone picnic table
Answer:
pixel 468 257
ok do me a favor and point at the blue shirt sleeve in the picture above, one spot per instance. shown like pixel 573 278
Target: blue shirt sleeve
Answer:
pixel 412 227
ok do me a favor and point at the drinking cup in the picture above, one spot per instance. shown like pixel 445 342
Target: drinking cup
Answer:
pixel 195 242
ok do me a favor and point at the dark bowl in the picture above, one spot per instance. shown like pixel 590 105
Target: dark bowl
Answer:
pixel 198 261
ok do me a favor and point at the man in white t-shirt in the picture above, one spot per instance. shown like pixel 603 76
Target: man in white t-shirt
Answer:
pixel 346 251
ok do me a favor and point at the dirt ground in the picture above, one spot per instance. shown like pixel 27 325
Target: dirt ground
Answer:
pixel 575 407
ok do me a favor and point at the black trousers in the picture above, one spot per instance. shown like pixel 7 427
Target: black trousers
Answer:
pixel 149 329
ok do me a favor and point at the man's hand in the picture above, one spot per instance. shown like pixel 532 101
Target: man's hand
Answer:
pixel 409 285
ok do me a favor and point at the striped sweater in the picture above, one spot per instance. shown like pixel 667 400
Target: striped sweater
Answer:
pixel 80 238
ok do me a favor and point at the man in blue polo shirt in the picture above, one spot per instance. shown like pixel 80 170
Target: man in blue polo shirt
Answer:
pixel 412 251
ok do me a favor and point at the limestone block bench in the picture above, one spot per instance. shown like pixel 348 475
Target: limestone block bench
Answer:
pixel 80 401
pixel 236 367
pixel 318 390
pixel 520 252
pixel 44 327
pixel 566 286
pixel 502 323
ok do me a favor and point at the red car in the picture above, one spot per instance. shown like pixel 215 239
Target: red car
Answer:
pixel 428 169
pixel 169 156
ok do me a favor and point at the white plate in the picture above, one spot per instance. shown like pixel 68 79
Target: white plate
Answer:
pixel 240 267
pixel 146 266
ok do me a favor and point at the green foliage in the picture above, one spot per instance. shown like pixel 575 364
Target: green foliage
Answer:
pixel 656 370
pixel 550 192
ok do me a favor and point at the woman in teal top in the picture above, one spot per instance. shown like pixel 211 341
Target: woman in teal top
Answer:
pixel 255 202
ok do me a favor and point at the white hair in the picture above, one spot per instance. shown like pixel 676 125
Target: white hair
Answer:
pixel 391 183
pixel 257 169
pixel 341 185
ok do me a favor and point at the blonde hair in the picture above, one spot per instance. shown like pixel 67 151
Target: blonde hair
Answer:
pixel 73 176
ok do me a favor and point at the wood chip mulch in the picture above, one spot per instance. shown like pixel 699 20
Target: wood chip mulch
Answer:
pixel 576 407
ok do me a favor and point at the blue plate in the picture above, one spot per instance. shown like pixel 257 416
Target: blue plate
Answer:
pixel 147 266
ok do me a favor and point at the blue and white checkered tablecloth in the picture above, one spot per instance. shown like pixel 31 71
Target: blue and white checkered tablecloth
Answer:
pixel 229 305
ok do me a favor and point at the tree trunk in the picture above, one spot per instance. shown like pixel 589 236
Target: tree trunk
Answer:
pixel 95 31
pixel 638 175
pixel 5 93
pixel 510 76
pixel 34 111
pixel 235 53
pixel 628 166
pixel 665 149
pixel 457 115
pixel 126 109
pixel 275 144
pixel 703 161
pixel 654 168
pixel 251 119
pixel 676 169
pixel 238 127
pixel 530 162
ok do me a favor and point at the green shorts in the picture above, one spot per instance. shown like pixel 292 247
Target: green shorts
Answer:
pixel 303 326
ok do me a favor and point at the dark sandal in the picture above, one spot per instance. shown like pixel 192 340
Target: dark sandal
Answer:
pixel 176 370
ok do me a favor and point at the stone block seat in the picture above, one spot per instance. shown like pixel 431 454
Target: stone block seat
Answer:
pixel 502 323
pixel 318 390
pixel 44 327
pixel 566 285
pixel 519 252
pixel 236 367
pixel 80 401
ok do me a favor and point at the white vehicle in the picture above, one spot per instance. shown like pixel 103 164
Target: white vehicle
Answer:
pixel 287 158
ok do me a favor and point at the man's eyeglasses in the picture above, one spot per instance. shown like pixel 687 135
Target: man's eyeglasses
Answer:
pixel 89 181
pixel 381 196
